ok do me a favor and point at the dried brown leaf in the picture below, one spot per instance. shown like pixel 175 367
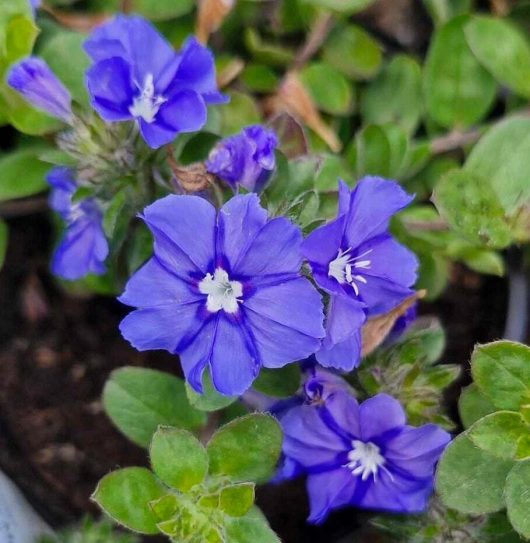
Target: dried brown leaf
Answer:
pixel 293 98
pixel 290 134
pixel 80 22
pixel 210 17
pixel 377 329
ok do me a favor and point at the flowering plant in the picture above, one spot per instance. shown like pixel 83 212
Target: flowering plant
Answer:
pixel 283 277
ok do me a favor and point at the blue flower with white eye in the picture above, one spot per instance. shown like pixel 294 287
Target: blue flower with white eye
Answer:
pixel 246 159
pixel 223 290
pixel 33 79
pixel 83 248
pixel 138 76
pixel 362 455
pixel 360 265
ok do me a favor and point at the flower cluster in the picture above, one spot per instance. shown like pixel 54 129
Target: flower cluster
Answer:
pixel 224 288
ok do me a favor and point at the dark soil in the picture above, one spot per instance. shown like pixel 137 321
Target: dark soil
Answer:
pixel 56 351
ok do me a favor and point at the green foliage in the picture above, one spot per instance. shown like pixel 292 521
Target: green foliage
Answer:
pixel 458 90
pixel 407 371
pixel 4 235
pixel 486 468
pixel 281 382
pixel 210 399
pixel 246 449
pixel 342 6
pixel 181 500
pixel 353 51
pixel 503 50
pixel 394 96
pixel 22 174
pixel 328 87
pixel 138 400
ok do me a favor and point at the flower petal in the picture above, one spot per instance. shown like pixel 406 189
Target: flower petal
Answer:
pixel 323 244
pixel 111 89
pixel 379 415
pixel 373 202
pixel 416 450
pixel 344 356
pixel 234 363
pixel 344 409
pixel 153 285
pixel 239 221
pixel 275 250
pixel 161 327
pixel 328 491
pixel 184 231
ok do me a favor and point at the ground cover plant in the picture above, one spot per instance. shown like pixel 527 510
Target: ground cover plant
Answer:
pixel 265 268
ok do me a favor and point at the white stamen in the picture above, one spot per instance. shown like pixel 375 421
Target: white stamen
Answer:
pixel 344 265
pixel 146 104
pixel 222 293
pixel 365 459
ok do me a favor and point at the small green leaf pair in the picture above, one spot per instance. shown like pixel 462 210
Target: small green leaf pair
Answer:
pixel 487 467
pixel 196 493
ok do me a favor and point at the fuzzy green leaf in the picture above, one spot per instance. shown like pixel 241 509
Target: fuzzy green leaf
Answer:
pixel 501 370
pixel 139 400
pixel 125 495
pixel 473 405
pixel 178 458
pixel 246 449
pixel 469 479
pixel 22 174
pixel 458 90
pixel 517 495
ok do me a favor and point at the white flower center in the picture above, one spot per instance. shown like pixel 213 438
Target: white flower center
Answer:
pixel 222 293
pixel 365 459
pixel 344 267
pixel 146 104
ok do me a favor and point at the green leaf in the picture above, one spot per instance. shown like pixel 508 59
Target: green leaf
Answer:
pixel 178 458
pixel 161 10
pixel 259 78
pixel 20 34
pixel 473 405
pixel 139 400
pixel 342 6
pixel 518 498
pixel 380 150
pixel 501 158
pixel 353 51
pixel 469 479
pixel 503 434
pixel 279 382
pixel 236 500
pixel 246 449
pixel 22 174
pixel 503 50
pixel 252 528
pixel 267 53
pixel 478 259
pixel 241 111
pixel 65 55
pixel 458 90
pixel 501 370
pixel 3 242
pixel 472 208
pixel 394 96
pixel 210 399
pixel 125 495
pixel 330 90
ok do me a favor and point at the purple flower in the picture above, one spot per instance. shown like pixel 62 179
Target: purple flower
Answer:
pixel 358 263
pixel 34 4
pixel 362 455
pixel 403 323
pixel 138 76
pixel 246 159
pixel 34 80
pixel 223 290
pixel 83 248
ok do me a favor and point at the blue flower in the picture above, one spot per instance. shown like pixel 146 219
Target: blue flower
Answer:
pixel 83 248
pixel 360 265
pixel 246 159
pixel 138 76
pixel 34 80
pixel 361 455
pixel 34 4
pixel 223 290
